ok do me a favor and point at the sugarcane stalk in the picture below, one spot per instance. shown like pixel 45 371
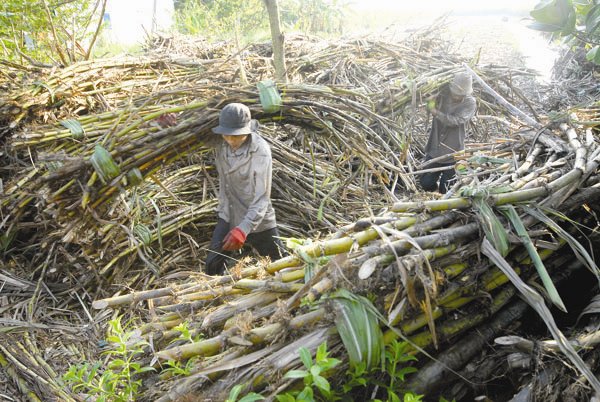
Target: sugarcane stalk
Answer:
pixel 21 383
pixel 258 335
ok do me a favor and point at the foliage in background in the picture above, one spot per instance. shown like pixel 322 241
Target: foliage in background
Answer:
pixel 59 34
pixel 315 16
pixel 217 19
pixel 576 22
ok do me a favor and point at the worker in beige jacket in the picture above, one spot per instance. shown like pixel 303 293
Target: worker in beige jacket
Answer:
pixel 245 214
pixel 451 113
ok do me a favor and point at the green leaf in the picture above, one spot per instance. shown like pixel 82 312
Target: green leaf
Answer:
pixel 580 252
pixel 47 87
pixel 592 20
pixel 357 323
pixel 285 398
pixel 329 363
pixel 514 218
pixel 296 374
pixel 306 357
pixel 321 352
pixel 553 12
pixel 306 395
pixel 593 55
pixel 492 227
pixel 315 371
pixel 392 397
pixel 538 26
pixel 252 397
pixel 322 383
pixel 234 393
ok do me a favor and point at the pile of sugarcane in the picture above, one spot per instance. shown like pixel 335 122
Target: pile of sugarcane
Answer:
pixel 434 268
pixel 108 186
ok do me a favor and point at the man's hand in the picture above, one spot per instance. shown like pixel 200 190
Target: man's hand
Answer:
pixel 234 240
pixel 431 107
pixel 167 120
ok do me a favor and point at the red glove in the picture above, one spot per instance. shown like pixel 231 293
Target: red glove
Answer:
pixel 234 240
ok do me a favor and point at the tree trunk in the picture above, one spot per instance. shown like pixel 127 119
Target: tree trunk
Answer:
pixel 277 38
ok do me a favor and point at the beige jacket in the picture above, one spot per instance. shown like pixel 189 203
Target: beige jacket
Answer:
pixel 245 185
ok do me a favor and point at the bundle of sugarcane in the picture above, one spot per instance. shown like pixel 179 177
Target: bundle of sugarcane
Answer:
pixel 90 86
pixel 420 264
pixel 118 186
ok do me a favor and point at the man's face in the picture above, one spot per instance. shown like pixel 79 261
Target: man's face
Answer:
pixel 235 141
pixel 456 98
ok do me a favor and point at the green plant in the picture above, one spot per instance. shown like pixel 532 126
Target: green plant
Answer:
pixel 185 333
pixel 313 376
pixel 46 31
pixel 119 380
pixel 174 367
pixel 393 371
pixel 249 397
pixel 576 22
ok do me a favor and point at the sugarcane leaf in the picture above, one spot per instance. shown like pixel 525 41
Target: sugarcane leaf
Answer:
pixel 158 225
pixel 537 302
pixel 513 217
pixel 324 201
pixel 357 322
pixel 580 252
pixel 492 227
pixel 592 308
pixel 47 87
pixel 367 268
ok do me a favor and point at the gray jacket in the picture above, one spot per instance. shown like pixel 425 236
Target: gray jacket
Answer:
pixel 245 185
pixel 449 126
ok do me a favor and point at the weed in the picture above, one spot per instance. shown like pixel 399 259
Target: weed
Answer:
pixel 313 376
pixel 119 380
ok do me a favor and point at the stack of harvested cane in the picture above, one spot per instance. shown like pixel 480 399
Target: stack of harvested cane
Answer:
pixel 100 196
pixel 421 261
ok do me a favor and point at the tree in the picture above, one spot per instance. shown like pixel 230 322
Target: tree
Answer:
pixel 577 22
pixel 41 31
pixel 277 39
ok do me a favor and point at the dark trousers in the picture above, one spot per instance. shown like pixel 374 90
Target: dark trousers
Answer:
pixel 429 181
pixel 265 243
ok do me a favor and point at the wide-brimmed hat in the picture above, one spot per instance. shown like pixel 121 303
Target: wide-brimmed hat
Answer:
pixel 461 84
pixel 234 119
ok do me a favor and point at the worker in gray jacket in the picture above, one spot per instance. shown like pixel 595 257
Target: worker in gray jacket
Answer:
pixel 451 113
pixel 245 214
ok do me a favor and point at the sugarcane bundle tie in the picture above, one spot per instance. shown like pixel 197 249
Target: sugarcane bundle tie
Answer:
pixel 268 94
pixel 134 177
pixel 74 127
pixel 104 164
